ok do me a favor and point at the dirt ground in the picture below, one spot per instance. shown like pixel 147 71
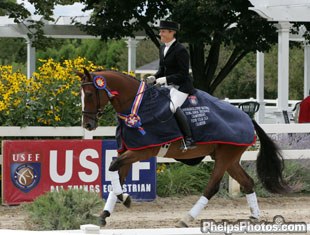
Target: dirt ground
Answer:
pixel 165 212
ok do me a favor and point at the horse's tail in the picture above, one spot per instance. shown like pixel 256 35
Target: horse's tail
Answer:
pixel 269 163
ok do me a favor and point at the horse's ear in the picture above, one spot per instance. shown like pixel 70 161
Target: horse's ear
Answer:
pixel 87 73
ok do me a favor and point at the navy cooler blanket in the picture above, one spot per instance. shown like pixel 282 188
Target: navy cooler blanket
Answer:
pixel 211 121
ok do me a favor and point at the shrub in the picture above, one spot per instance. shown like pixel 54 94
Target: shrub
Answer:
pixel 296 174
pixel 51 97
pixel 178 179
pixel 66 209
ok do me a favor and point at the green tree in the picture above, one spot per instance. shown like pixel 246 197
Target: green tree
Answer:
pixel 208 26
pixel 241 82
pixel 296 73
pixel 146 52
pixel 13 10
pixel 12 50
pixel 112 53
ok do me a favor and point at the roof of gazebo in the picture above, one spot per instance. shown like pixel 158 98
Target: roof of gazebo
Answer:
pixel 282 10
pixel 63 27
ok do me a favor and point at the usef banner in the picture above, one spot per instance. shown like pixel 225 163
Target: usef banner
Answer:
pixel 141 180
pixel 31 168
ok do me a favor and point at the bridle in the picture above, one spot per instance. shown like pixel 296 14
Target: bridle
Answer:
pixel 110 94
pixel 99 111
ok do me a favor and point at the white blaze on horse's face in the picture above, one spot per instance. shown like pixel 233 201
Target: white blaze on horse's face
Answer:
pixel 89 117
pixel 83 103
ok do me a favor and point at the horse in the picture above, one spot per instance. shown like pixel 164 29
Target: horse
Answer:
pixel 122 91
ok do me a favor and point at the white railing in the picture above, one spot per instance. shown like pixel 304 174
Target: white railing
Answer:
pixel 269 111
pixel 268 102
pixel 109 131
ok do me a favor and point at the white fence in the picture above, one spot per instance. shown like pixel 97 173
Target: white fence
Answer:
pixel 267 102
pixel 269 111
pixel 79 132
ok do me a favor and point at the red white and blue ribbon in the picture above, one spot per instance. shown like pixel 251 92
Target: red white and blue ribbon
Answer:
pixel 133 120
pixel 101 84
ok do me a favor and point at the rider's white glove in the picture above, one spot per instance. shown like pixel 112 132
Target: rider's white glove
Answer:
pixel 150 80
pixel 161 81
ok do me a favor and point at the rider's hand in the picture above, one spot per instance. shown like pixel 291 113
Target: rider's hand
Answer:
pixel 161 81
pixel 150 80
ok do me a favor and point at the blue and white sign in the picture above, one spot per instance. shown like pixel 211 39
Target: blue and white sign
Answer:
pixel 140 183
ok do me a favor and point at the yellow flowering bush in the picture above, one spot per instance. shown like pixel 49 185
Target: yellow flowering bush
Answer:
pixel 51 97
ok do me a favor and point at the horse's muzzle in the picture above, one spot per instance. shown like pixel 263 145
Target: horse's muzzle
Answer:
pixel 89 126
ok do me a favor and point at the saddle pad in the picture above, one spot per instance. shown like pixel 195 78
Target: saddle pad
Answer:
pixel 211 121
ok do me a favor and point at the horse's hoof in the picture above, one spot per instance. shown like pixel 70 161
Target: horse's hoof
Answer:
pixel 102 222
pixel 103 216
pixel 254 219
pixel 126 200
pixel 181 224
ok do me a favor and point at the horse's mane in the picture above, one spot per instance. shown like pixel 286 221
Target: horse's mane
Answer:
pixel 116 71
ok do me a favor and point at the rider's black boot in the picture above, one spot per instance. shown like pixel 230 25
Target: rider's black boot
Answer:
pixel 188 141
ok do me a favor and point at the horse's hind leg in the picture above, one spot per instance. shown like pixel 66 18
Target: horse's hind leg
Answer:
pixel 247 184
pixel 225 156
pixel 210 191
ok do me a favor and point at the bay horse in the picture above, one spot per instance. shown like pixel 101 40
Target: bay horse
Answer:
pixel 121 90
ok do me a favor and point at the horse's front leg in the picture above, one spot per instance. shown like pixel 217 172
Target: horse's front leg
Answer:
pixel 130 157
pixel 118 171
pixel 112 198
pixel 121 165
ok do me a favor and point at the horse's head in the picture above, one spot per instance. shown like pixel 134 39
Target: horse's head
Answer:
pixel 98 88
pixel 95 96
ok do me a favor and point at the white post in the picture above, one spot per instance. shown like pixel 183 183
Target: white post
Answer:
pixel 31 58
pixel 306 70
pixel 283 65
pixel 132 52
pixel 260 84
pixel 87 135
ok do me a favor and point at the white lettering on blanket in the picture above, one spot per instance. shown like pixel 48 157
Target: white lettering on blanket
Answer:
pixel 198 115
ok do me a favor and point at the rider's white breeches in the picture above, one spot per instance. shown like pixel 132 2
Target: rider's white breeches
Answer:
pixel 177 98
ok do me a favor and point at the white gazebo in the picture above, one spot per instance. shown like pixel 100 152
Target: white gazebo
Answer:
pixel 63 26
pixel 283 12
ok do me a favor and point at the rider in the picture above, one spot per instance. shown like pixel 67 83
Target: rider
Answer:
pixel 173 73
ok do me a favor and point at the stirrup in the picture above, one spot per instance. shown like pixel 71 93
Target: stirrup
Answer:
pixel 187 144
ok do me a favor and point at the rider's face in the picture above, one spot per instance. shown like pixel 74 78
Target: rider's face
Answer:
pixel 166 35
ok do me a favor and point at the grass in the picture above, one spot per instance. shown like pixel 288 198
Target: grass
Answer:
pixel 178 179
